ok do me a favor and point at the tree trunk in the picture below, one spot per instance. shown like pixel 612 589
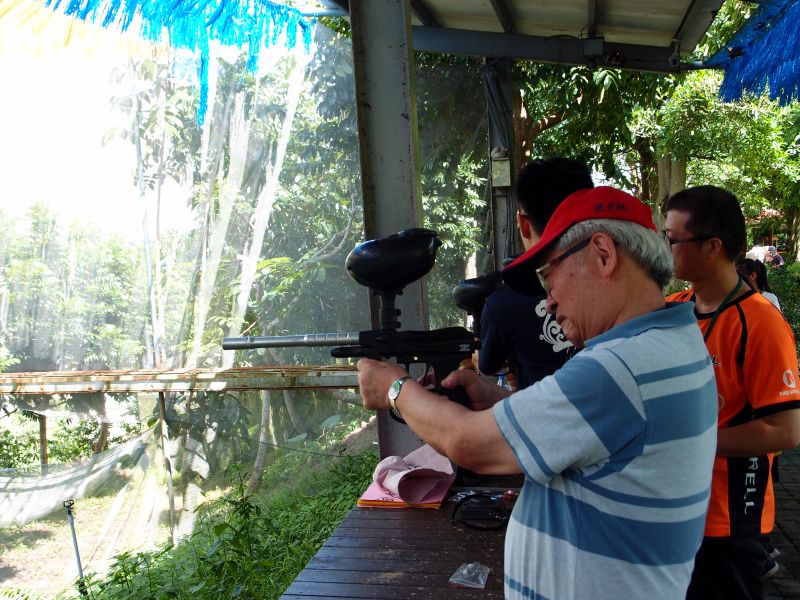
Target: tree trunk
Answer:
pixel 671 179
pixel 151 249
pixel 527 128
pixel 102 439
pixel 263 446
pixel 297 421
pixel 264 204
pixel 214 241
pixel 43 444
pixel 646 169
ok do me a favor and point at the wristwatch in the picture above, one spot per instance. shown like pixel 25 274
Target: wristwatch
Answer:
pixel 394 392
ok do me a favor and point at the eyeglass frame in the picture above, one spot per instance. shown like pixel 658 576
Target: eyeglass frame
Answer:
pixel 552 263
pixel 697 238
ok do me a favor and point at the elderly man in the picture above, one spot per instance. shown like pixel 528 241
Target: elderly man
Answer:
pixel 617 446
pixel 755 360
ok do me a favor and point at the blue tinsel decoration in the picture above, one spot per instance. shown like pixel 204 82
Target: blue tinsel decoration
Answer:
pixel 192 24
pixel 766 51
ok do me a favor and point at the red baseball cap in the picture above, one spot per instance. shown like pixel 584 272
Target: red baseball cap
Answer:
pixel 602 202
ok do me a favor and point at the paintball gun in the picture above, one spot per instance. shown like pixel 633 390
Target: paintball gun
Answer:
pixel 470 295
pixel 386 266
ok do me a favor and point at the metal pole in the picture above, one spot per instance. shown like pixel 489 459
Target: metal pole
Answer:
pixel 383 66
pixel 68 504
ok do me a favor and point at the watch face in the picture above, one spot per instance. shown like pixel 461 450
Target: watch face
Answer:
pixel 394 390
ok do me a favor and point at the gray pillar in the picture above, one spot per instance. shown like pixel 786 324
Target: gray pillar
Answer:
pixel 387 134
pixel 504 239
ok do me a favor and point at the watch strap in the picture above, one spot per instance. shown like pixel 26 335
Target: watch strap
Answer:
pixel 398 383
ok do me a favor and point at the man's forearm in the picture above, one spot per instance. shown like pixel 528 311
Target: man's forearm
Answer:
pixel 471 439
pixel 780 431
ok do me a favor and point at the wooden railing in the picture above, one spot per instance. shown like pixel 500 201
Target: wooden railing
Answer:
pixel 179 380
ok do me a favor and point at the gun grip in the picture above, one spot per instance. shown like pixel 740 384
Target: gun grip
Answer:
pixel 458 395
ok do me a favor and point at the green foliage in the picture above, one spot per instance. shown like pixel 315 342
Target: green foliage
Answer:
pixel 74 297
pixel 18 449
pixel 593 110
pixel 453 163
pixel 785 284
pixel 72 440
pixel 244 546
pixel 18 594
pixel 6 360
pixel 729 19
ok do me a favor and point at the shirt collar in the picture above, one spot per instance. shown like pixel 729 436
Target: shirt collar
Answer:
pixel 674 314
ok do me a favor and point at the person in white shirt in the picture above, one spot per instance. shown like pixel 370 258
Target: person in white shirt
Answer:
pixel 755 274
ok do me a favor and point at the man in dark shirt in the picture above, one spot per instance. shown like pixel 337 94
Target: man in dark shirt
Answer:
pixel 515 328
pixel 773 258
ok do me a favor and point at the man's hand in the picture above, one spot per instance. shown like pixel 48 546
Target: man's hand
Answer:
pixel 471 439
pixel 482 394
pixel 374 379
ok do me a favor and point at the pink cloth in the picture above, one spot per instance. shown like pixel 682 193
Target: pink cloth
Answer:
pixel 413 477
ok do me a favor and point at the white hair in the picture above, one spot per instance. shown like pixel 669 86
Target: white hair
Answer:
pixel 643 245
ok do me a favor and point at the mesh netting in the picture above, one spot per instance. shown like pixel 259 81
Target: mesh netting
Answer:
pixel 150 488
pixel 138 239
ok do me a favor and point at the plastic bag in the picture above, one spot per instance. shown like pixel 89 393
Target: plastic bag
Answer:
pixel 470 575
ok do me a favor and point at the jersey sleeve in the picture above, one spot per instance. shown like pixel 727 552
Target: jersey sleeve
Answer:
pixel 683 296
pixel 583 417
pixel 770 365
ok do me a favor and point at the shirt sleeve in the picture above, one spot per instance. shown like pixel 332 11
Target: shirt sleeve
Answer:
pixel 583 417
pixel 770 366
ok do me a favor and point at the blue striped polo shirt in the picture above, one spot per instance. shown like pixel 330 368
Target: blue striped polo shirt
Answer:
pixel 617 448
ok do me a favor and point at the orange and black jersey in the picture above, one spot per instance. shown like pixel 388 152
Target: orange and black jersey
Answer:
pixel 754 354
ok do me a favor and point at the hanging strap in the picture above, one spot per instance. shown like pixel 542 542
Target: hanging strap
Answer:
pixel 728 298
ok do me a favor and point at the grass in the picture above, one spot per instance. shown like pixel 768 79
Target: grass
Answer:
pixel 241 546
pixel 244 546
pixel 39 558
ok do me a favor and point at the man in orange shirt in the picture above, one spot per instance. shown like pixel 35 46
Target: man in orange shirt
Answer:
pixel 755 362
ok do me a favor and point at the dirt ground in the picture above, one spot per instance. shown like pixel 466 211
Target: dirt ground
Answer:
pixel 39 557
pixel 363 439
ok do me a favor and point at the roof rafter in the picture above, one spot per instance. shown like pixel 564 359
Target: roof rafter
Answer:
pixel 424 14
pixel 503 15
pixel 696 21
pixel 561 50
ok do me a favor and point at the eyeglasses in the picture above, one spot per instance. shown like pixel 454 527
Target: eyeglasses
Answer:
pixel 698 238
pixel 540 271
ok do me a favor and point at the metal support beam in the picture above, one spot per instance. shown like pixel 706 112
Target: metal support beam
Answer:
pixel 695 22
pixel 561 50
pixel 387 135
pixel 503 15
pixel 499 100
pixel 424 14
pixel 591 18
pixel 343 4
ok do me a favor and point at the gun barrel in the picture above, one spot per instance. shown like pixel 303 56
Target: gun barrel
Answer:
pixel 286 341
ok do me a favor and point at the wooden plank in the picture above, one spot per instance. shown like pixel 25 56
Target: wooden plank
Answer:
pixel 432 580
pixel 491 544
pixel 431 555
pixel 389 592
pixel 399 554
pixel 403 532
pixel 375 565
pixel 179 380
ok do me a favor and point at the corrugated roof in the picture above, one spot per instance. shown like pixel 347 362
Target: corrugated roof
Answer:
pixel 637 34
